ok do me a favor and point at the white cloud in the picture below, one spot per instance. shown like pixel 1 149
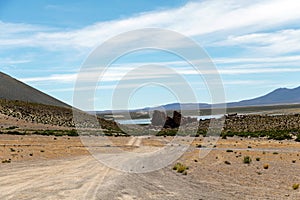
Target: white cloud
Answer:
pixel 126 74
pixel 258 60
pixel 280 42
pixel 10 61
pixel 53 78
pixel 195 18
pixel 13 28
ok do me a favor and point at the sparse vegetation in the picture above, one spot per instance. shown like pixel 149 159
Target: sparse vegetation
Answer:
pixel 297 138
pixel 57 132
pixel 6 161
pixel 257 159
pixel 11 127
pixel 167 132
pixel 71 133
pixel 13 132
pixel 295 186
pixel 274 134
pixel 180 168
pixel 247 160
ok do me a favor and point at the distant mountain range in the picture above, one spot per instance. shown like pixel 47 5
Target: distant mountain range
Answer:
pixel 12 89
pixel 279 96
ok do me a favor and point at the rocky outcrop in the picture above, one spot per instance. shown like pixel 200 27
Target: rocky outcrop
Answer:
pixel 158 118
pixel 161 119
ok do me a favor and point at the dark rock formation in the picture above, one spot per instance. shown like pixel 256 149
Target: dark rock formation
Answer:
pixel 177 117
pixel 170 123
pixel 158 118
pixel 161 119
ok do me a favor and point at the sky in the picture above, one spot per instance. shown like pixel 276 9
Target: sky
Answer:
pixel 254 46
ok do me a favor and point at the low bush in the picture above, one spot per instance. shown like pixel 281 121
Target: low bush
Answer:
pixel 14 133
pixel 273 134
pixel 297 138
pixel 71 133
pixel 180 168
pixel 167 132
pixel 295 186
pixel 247 160
pixel 11 127
pixel 6 161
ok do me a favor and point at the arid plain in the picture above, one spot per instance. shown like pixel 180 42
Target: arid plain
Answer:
pixel 51 167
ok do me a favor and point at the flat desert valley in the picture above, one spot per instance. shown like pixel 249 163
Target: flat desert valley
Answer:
pixel 35 166
pixel 49 167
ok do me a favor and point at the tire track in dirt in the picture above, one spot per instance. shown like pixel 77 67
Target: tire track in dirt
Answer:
pixel 56 179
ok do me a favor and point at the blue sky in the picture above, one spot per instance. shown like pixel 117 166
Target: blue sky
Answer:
pixel 255 45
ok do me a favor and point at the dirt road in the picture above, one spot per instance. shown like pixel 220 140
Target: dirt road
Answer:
pixel 83 177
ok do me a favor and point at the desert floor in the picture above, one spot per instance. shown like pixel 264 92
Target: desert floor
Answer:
pixel 48 167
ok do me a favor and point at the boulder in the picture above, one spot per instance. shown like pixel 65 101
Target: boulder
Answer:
pixel 158 118
pixel 177 117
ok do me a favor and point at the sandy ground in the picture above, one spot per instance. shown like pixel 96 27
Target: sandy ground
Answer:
pixel 42 167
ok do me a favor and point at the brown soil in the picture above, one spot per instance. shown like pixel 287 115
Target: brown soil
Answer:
pixel 42 167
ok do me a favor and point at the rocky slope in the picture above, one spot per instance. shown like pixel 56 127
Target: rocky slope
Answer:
pixel 52 115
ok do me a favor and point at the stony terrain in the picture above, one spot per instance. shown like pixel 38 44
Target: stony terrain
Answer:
pixel 52 115
pixel 62 167
pixel 64 170
pixel 252 123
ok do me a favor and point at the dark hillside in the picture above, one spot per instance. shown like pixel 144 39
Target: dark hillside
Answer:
pixel 12 89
